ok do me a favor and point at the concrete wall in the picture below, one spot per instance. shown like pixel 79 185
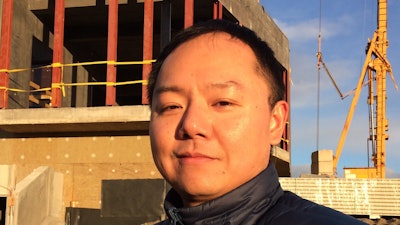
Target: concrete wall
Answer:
pixel 37 199
pixel 373 197
pixel 6 179
pixel 84 162
pixel 263 25
pixel 20 56
pixel 322 162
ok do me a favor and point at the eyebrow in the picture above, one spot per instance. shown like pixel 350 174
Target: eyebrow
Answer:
pixel 226 84
pixel 164 89
pixel 216 85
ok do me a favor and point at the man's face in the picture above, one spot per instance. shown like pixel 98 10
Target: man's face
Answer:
pixel 211 124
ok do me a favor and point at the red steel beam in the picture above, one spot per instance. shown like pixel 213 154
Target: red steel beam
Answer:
pixel 189 12
pixel 147 44
pixel 287 132
pixel 112 52
pixel 58 46
pixel 5 49
pixel 218 10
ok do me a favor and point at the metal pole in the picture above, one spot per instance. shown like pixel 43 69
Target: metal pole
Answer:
pixel 353 105
pixel 59 15
pixel 5 49
pixel 147 44
pixel 112 52
pixel 218 10
pixel 189 12
pixel 287 136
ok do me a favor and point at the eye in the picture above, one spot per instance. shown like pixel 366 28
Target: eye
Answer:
pixel 169 108
pixel 223 103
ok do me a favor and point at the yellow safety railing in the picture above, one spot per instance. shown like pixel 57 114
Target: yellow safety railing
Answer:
pixel 62 85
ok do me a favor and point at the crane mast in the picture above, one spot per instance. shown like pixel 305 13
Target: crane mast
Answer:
pixel 381 67
pixel 377 67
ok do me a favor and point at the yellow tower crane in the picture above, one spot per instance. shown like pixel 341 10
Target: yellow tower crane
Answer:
pixel 376 66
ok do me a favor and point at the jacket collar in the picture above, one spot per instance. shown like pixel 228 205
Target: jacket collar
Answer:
pixel 244 205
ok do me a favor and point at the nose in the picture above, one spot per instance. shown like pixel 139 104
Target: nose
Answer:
pixel 195 122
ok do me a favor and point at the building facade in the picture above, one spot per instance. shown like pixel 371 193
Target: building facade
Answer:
pixel 74 110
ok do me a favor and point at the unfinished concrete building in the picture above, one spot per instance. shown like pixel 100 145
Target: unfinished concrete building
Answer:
pixel 74 145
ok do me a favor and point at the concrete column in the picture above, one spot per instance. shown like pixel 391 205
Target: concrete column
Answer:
pixel 81 94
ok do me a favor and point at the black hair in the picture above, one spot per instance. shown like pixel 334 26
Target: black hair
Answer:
pixel 271 69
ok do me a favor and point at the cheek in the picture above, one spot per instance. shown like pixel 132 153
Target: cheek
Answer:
pixel 159 141
pixel 243 131
pixel 236 131
pixel 157 136
pixel 246 145
pixel 254 122
pixel 160 127
pixel 162 137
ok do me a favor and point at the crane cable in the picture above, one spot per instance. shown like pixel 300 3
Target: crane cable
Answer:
pixel 319 58
pixel 319 63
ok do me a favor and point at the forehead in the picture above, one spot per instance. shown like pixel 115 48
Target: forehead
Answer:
pixel 218 52
pixel 214 41
pixel 211 63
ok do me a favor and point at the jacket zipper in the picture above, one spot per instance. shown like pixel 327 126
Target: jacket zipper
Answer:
pixel 175 218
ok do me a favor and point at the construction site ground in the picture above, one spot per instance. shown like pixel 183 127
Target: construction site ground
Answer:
pixel 382 221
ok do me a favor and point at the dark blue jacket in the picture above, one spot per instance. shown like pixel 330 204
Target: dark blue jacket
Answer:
pixel 259 201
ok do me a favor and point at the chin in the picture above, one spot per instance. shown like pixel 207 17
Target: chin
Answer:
pixel 198 190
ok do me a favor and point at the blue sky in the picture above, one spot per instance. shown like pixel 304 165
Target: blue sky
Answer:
pixel 346 27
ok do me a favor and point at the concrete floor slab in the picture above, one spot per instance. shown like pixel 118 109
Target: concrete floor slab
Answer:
pixel 85 119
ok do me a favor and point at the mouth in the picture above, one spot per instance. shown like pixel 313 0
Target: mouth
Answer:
pixel 193 158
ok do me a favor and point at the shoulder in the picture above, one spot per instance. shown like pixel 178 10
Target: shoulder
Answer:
pixel 292 209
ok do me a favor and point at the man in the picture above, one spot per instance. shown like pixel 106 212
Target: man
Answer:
pixel 216 95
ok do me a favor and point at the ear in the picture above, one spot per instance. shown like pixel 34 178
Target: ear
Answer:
pixel 279 115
